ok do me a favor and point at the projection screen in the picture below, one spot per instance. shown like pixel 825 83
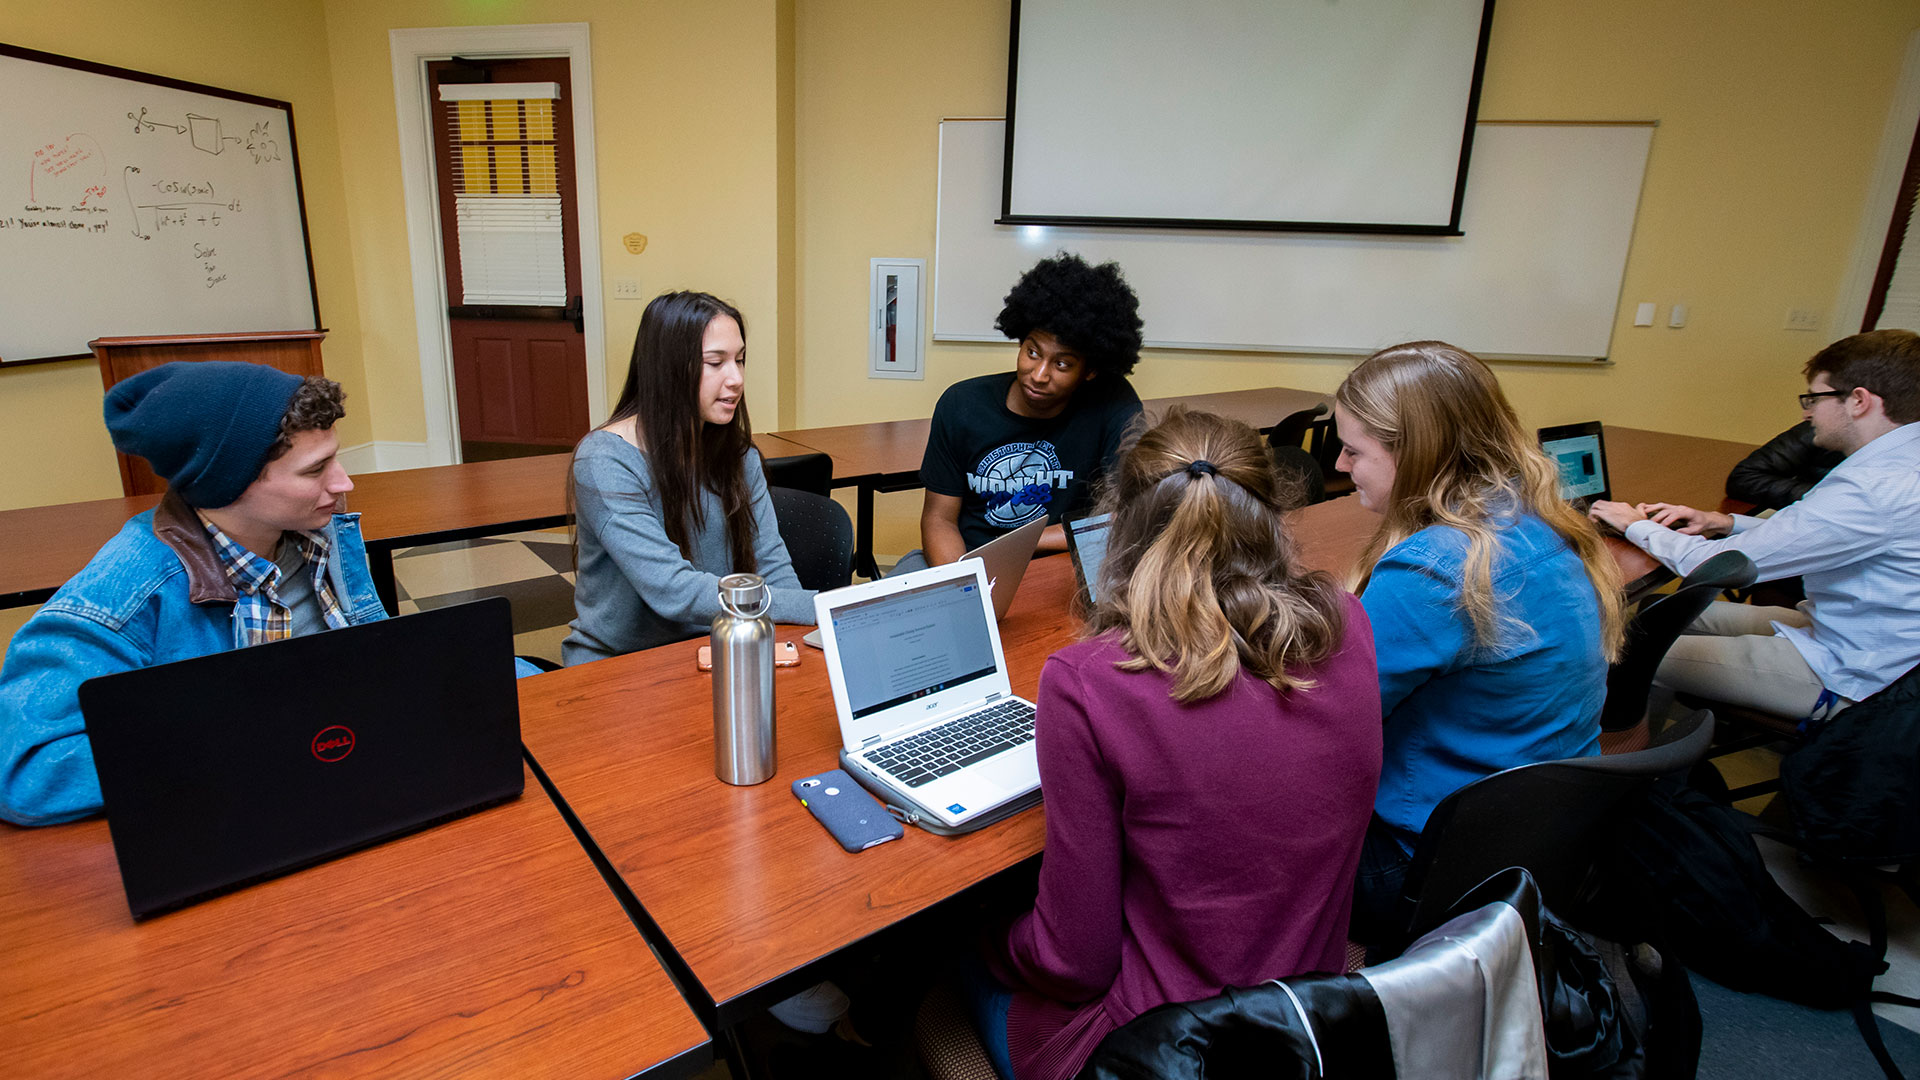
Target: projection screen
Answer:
pixel 1315 115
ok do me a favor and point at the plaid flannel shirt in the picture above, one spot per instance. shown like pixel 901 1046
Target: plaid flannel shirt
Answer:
pixel 256 581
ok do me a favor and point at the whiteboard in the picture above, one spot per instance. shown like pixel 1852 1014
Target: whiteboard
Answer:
pixel 1547 220
pixel 132 206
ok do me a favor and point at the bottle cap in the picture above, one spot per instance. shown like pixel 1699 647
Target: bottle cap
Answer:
pixel 743 593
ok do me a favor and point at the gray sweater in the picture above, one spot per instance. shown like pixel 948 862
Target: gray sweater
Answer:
pixel 634 589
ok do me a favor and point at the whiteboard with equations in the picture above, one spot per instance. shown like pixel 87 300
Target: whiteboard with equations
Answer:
pixel 1548 218
pixel 130 206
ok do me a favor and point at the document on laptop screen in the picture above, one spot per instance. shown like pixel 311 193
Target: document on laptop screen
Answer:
pixel 1580 471
pixel 911 644
pixel 1090 547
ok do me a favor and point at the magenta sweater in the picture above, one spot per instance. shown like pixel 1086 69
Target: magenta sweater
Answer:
pixel 1189 847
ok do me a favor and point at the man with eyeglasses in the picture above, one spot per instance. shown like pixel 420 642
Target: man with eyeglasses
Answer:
pixel 1854 538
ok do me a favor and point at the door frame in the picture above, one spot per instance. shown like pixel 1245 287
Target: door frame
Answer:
pixel 1896 142
pixel 413 103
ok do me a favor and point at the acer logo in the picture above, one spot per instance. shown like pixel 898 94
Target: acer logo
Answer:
pixel 333 743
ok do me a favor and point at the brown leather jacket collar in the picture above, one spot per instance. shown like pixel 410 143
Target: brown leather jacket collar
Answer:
pixel 179 527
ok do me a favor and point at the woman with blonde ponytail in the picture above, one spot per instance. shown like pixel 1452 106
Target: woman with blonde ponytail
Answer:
pixel 1208 754
pixel 1495 605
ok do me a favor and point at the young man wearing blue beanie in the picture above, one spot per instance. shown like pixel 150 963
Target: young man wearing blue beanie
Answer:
pixel 244 548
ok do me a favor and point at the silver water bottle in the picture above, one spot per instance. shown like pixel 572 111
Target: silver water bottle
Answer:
pixel 743 681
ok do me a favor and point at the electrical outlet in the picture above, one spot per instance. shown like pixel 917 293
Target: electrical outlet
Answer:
pixel 1803 319
pixel 625 288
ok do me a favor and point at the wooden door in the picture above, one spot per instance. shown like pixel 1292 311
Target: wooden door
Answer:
pixel 505 166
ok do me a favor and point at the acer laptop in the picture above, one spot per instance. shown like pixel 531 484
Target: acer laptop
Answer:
pixel 1580 451
pixel 1007 557
pixel 928 719
pixel 1087 540
pixel 229 769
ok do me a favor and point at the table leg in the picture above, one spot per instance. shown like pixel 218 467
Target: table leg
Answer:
pixel 863 533
pixel 734 1051
pixel 380 565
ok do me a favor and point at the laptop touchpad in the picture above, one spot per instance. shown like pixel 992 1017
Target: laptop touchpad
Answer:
pixel 1014 772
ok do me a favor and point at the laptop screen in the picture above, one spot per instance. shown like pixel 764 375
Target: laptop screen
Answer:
pixel 909 644
pixel 1578 453
pixel 1089 538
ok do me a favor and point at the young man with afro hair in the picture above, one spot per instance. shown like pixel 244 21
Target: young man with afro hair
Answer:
pixel 1011 447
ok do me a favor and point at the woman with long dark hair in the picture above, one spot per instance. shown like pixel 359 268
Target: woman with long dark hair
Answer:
pixel 668 494
pixel 1208 756
pixel 1495 605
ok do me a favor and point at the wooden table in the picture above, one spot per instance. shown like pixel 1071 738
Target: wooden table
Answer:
pixel 885 456
pixel 744 887
pixel 1262 407
pixel 740 884
pixel 46 545
pixel 1653 466
pixel 487 946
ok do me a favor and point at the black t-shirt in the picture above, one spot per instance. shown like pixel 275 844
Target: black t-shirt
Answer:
pixel 1008 469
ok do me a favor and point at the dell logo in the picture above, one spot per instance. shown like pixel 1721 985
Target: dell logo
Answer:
pixel 333 743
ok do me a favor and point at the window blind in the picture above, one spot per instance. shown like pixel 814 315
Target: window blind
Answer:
pixel 506 188
pixel 1900 306
pixel 1895 300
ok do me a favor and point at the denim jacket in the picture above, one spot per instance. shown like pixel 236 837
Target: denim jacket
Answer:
pixel 154 594
pixel 1455 711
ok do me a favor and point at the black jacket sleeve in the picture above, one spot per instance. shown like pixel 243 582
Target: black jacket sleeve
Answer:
pixel 1781 471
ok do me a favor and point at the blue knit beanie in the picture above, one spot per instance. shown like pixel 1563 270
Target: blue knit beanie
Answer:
pixel 204 426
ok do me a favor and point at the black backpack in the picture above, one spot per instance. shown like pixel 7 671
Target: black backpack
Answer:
pixel 1681 871
pixel 1854 786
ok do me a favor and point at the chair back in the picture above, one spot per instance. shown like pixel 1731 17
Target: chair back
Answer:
pixel 1654 628
pixel 1292 431
pixel 1543 817
pixel 1295 443
pixel 801 472
pixel 819 537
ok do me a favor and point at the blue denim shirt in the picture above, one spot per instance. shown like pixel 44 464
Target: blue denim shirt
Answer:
pixel 152 595
pixel 1456 712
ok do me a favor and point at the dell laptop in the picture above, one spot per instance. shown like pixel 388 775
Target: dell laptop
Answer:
pixel 228 769
pixel 928 718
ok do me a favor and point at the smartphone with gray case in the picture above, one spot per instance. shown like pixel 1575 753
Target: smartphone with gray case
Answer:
pixel 854 817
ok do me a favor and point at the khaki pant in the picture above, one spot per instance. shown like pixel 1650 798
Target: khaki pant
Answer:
pixel 1731 654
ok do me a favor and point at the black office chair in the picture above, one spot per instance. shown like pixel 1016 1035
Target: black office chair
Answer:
pixel 1293 431
pixel 1656 626
pixel 819 537
pixel 801 472
pixel 1321 1024
pixel 1296 446
pixel 1543 817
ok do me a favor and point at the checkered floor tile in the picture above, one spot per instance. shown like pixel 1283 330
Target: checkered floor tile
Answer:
pixel 534 571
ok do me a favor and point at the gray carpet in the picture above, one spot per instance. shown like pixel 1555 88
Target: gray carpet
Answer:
pixel 1748 1036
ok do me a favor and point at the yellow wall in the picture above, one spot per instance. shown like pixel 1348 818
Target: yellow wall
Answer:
pixel 686 128
pixel 768 149
pixel 1770 112
pixel 1770 120
pixel 50 430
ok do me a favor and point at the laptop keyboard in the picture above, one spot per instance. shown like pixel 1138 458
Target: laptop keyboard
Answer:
pixel 956 744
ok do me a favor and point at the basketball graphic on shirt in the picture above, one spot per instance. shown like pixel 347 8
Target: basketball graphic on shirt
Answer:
pixel 1018 482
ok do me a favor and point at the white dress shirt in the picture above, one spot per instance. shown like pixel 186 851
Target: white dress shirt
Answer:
pixel 1855 539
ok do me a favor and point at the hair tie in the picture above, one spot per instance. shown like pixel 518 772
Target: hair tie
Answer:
pixel 1201 467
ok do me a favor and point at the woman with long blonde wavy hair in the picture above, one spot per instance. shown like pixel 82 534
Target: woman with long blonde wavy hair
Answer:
pixel 1495 605
pixel 1208 754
